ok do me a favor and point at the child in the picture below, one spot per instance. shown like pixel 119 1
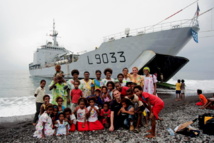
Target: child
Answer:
pixel 105 115
pixel 105 96
pixel 54 115
pixel 71 119
pixel 39 93
pixel 155 105
pixel 127 114
pixel 178 90
pixel 93 112
pixel 110 86
pixel 202 98
pixel 81 112
pixel 58 71
pixel 76 94
pixel 97 98
pixel 59 101
pixel 44 125
pixel 138 106
pixel 61 125
pixel 46 100
pixel 122 89
pixel 96 82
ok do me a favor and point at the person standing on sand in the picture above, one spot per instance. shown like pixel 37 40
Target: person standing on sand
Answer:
pixel 183 89
pixel 39 94
pixel 58 89
pixel 126 75
pixel 108 72
pixel 85 85
pixel 135 77
pixel 70 82
pixel 95 84
pixel 150 81
pixel 155 105
pixel 178 90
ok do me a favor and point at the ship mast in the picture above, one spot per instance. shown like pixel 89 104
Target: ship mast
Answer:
pixel 54 35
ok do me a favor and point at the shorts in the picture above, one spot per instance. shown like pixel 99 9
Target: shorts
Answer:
pixel 156 109
pixel 178 92
pixel 183 91
pixel 93 126
pixel 80 128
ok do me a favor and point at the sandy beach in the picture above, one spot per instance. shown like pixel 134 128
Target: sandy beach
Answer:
pixel 174 113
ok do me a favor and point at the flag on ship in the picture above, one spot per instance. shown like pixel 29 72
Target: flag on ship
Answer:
pixel 195 35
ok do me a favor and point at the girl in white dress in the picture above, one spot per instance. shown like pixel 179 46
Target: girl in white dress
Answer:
pixel 44 125
pixel 61 125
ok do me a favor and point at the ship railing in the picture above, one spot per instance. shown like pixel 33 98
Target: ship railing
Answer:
pixel 151 29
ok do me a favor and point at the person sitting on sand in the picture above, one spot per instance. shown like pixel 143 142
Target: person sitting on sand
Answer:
pixel 59 101
pixel 44 125
pixel 71 119
pixel 46 100
pixel 155 105
pixel 81 112
pixel 93 112
pixel 127 114
pixel 209 103
pixel 203 100
pixel 115 108
pixel 61 125
pixel 139 107
pixel 39 94
pixel 105 115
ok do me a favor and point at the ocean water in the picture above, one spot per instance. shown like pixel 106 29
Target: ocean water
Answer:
pixel 17 92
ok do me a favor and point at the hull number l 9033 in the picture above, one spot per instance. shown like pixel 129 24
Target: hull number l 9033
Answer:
pixel 105 58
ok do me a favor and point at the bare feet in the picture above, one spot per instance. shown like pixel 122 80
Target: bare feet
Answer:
pixel 150 136
pixel 34 124
pixel 149 131
pixel 160 119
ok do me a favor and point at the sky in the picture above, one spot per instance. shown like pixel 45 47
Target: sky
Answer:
pixel 82 24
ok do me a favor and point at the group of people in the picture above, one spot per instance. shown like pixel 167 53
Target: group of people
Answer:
pixel 180 90
pixel 95 104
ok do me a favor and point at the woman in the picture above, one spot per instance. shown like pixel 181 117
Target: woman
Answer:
pixel 115 108
pixel 136 78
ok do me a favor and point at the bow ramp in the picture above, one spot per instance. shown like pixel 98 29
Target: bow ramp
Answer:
pixel 165 66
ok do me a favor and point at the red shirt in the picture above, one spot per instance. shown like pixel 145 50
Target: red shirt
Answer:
pixel 75 95
pixel 123 90
pixel 105 113
pixel 154 100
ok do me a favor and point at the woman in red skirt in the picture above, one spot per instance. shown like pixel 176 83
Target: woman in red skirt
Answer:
pixel 93 112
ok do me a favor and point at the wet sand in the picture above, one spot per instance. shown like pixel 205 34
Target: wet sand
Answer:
pixel 174 113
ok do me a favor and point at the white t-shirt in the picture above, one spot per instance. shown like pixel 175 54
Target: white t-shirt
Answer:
pixel 73 118
pixel 40 94
pixel 105 81
pixel 93 114
pixel 81 113
pixel 149 83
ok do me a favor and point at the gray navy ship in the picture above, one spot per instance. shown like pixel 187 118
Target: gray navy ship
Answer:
pixel 153 46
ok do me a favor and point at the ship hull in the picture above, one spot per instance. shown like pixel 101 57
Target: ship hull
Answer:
pixel 123 52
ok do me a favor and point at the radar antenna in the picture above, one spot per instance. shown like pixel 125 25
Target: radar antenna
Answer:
pixel 54 35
